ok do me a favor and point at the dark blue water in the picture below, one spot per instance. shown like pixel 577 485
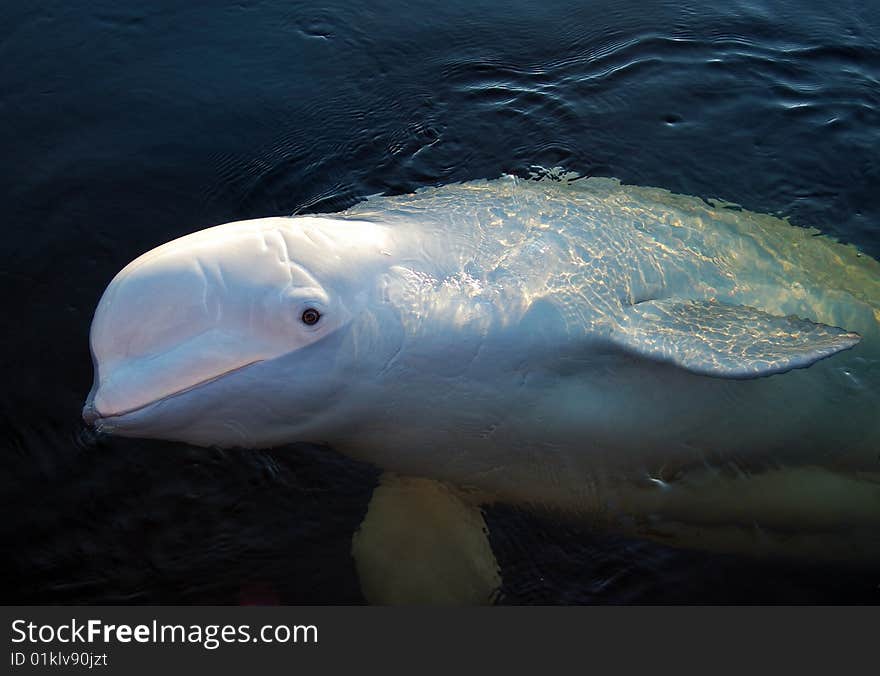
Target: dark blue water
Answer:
pixel 124 124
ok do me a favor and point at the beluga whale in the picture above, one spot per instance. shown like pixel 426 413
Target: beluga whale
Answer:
pixel 672 367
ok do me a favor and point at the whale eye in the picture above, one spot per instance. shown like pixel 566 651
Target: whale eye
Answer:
pixel 310 316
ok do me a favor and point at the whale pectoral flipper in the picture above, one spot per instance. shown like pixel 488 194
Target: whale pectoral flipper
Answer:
pixel 424 543
pixel 726 341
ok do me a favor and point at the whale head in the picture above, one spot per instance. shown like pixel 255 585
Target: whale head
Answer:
pixel 215 337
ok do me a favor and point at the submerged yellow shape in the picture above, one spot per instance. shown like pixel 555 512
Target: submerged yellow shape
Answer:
pixel 424 543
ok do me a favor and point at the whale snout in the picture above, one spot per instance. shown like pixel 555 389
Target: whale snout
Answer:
pixel 207 306
pixel 185 314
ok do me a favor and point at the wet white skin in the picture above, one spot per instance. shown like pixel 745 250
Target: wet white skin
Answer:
pixel 580 346
pixel 215 302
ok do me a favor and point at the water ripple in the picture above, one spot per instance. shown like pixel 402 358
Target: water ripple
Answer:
pixel 129 127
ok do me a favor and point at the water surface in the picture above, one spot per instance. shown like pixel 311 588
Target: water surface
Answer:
pixel 124 124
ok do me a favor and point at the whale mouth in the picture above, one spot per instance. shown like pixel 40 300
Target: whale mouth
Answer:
pixel 93 417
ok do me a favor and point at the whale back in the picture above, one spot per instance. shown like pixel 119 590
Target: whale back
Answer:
pixel 605 245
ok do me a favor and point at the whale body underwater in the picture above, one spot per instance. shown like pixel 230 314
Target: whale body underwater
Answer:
pixel 677 368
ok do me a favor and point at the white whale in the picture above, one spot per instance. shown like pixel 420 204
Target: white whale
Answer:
pixel 683 369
